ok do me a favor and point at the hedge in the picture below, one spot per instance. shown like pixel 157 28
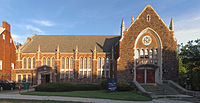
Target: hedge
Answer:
pixel 63 87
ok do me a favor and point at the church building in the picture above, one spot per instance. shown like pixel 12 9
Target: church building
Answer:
pixel 144 52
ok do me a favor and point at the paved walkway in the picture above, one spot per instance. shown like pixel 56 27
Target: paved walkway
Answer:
pixel 16 95
pixel 90 100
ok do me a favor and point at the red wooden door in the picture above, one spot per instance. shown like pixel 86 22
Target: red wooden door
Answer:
pixel 140 75
pixel 43 78
pixel 150 76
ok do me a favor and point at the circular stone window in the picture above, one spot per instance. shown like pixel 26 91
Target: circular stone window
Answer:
pixel 146 40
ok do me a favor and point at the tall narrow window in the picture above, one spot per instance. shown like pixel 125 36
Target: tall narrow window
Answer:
pixel 24 78
pixel 12 66
pixel 44 61
pixel 89 63
pixel 53 62
pixel 155 53
pixel 85 63
pixel 146 53
pixel 99 62
pixel 1 65
pixel 81 63
pixel 141 53
pixel 48 61
pixel 29 78
pixel 63 62
pixel 71 63
pixel 19 79
pixel 103 62
pixel 67 63
pixel 150 53
pixel 24 63
pixel 62 75
pixel 4 37
pixel 29 63
pixel 34 63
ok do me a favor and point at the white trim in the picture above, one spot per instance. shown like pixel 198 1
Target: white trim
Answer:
pixel 2 30
pixel 155 34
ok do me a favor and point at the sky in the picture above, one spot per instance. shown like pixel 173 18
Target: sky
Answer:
pixel 94 17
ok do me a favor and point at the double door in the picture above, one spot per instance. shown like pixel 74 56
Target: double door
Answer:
pixel 145 75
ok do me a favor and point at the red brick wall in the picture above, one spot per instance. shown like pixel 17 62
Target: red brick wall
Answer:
pixel 7 52
pixel 76 62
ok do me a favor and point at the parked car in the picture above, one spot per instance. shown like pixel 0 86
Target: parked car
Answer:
pixel 7 85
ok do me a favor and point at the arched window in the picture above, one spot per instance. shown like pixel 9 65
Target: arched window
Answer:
pixel 99 62
pixel 71 63
pixel 63 62
pixel 29 63
pixel 81 63
pixel 67 63
pixel 89 63
pixel 141 53
pixel 24 63
pixel 34 63
pixel 53 62
pixel 103 62
pixel 44 61
pixel 48 61
pixel 85 63
pixel 151 53
pixel 146 53
pixel 155 53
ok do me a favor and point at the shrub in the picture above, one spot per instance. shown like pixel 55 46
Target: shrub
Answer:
pixel 63 87
pixel 124 87
pixel 104 84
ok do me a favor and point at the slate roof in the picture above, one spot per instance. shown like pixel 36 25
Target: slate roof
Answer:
pixel 68 43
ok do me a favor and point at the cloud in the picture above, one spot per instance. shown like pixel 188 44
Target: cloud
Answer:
pixel 15 36
pixel 30 27
pixel 44 23
pixel 185 35
pixel 18 38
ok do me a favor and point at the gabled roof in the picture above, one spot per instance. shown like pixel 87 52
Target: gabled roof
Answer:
pixel 68 43
pixel 148 6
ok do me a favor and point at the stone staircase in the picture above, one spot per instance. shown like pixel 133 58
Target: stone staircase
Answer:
pixel 163 91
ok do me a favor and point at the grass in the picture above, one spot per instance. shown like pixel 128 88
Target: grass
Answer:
pixel 129 95
pixel 7 91
pixel 32 101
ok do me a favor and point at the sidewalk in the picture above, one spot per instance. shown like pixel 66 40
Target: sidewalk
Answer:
pixel 88 100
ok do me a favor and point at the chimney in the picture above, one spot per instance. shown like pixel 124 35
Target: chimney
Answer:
pixel 28 38
pixel 6 26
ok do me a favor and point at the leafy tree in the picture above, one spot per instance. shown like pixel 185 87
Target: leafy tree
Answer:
pixel 189 66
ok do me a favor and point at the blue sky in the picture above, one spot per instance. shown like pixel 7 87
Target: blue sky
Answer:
pixel 94 17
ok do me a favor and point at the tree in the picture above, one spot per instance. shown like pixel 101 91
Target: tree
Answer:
pixel 190 66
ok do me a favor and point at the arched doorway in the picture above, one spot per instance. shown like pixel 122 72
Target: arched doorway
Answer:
pixel 148 57
pixel 44 74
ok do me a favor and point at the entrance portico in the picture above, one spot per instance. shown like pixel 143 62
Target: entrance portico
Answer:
pixel 44 74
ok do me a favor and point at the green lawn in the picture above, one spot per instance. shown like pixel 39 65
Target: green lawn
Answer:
pixel 130 95
pixel 31 101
